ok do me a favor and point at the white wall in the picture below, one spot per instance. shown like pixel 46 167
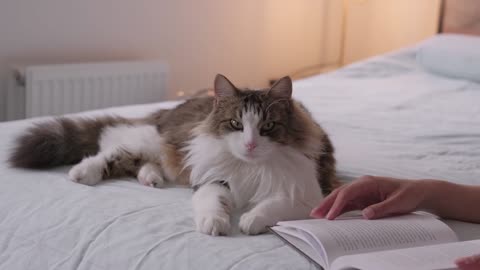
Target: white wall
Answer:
pixel 250 41
pixel 378 26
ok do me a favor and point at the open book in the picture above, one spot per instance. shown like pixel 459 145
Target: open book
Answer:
pixel 413 241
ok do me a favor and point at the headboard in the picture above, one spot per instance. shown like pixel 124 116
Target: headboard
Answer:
pixel 460 16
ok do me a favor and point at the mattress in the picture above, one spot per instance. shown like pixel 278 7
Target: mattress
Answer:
pixel 385 116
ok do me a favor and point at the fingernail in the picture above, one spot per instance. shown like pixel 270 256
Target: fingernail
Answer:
pixel 368 213
pixel 330 215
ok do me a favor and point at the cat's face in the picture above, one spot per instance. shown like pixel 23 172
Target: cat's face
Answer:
pixel 252 123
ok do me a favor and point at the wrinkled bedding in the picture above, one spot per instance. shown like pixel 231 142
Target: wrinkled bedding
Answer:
pixel 386 116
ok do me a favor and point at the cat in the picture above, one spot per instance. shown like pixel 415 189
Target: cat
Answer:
pixel 259 151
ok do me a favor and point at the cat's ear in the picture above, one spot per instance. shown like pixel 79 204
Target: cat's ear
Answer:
pixel 223 87
pixel 282 88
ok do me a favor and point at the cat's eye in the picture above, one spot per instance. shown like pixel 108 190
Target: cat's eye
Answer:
pixel 268 126
pixel 236 125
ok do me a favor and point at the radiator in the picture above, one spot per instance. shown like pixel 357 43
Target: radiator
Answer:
pixel 68 88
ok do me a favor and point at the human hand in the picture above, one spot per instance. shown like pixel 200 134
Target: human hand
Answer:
pixel 377 196
pixel 469 263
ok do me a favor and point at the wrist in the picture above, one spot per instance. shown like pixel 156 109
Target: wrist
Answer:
pixel 433 191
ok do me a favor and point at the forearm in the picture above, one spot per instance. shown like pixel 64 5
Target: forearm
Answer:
pixel 452 201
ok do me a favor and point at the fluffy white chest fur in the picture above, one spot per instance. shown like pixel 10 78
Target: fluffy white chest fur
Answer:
pixel 288 173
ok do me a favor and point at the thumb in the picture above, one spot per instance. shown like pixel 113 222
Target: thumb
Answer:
pixel 381 209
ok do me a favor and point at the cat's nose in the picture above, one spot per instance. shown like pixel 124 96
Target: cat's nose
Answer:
pixel 251 146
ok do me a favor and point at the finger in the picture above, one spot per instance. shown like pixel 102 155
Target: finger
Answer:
pixel 358 194
pixel 349 207
pixel 467 263
pixel 385 208
pixel 322 210
pixel 344 197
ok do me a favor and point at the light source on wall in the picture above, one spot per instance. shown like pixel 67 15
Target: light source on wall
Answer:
pixel 343 38
pixel 340 61
pixel 180 93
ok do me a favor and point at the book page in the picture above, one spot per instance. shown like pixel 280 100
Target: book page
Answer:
pixel 418 258
pixel 291 237
pixel 357 235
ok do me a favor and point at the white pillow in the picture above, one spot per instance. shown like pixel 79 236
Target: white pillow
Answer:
pixel 452 55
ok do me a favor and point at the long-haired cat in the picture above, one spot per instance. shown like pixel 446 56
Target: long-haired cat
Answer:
pixel 256 150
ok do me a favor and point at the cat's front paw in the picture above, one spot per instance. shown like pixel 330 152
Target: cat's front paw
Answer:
pixel 150 175
pixel 254 223
pixel 213 223
pixel 88 172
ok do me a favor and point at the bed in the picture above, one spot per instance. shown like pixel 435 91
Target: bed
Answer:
pixel 386 116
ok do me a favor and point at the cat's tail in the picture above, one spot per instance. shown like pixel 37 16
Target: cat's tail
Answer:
pixel 60 141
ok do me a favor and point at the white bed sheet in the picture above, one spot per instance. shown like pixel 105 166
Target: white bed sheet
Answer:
pixel 385 116
pixel 388 116
pixel 48 222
